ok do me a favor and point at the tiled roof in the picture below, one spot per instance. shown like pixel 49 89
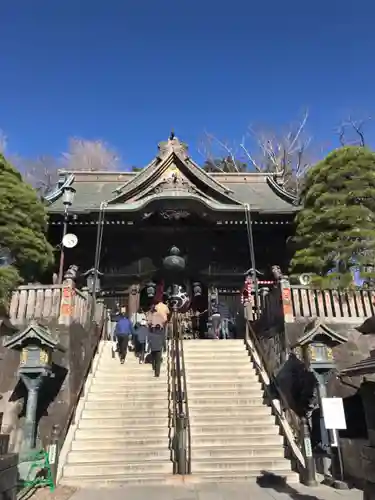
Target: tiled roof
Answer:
pixel 261 191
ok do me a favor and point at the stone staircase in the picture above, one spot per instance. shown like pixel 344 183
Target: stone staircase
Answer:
pixel 122 432
pixel 234 435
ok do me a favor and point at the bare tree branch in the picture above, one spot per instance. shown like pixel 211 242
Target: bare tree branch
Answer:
pixel 286 154
pixel 41 173
pixel 90 155
pixel 351 131
pixel 219 155
pixel 282 153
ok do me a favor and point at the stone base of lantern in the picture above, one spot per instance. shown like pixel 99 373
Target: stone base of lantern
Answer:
pixel 368 461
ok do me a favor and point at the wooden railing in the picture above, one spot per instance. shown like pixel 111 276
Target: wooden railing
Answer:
pixel 49 302
pixel 332 304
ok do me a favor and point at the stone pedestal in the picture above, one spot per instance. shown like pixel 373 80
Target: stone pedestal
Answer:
pixel 368 463
pixel 8 476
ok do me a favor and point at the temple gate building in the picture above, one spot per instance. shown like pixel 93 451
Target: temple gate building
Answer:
pixel 173 202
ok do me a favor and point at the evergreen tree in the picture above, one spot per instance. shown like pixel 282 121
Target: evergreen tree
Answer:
pixel 335 230
pixel 25 251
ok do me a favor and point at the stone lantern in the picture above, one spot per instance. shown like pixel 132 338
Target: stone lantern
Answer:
pixel 315 349
pixel 36 345
pixel 93 280
pixel 151 289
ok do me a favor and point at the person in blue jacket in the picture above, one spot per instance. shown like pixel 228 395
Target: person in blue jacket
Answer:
pixel 123 332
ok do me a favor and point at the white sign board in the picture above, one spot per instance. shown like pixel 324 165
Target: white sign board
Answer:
pixel 52 454
pixel 333 413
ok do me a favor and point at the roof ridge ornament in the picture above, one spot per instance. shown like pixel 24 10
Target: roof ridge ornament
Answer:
pixel 172 145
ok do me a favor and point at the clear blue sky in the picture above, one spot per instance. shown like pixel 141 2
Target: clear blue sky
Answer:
pixel 128 71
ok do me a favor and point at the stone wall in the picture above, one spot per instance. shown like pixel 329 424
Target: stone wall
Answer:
pixel 11 395
pixel 58 395
pixel 276 339
pixel 63 391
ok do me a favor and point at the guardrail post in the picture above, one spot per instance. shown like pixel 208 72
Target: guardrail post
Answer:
pixel 308 475
pixel 181 443
pixel 54 452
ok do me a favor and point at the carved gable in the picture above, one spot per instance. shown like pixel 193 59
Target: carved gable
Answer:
pixel 172 181
pixel 172 172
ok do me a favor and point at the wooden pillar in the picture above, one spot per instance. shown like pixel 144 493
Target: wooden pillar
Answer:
pixel 286 299
pixel 68 296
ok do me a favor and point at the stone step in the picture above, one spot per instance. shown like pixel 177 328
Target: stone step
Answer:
pixel 137 383
pixel 127 396
pixel 249 419
pixel 238 477
pixel 119 423
pixel 130 357
pixel 258 464
pixel 216 364
pixel 126 432
pixel 135 404
pixel 120 443
pixel 214 341
pixel 124 469
pixel 229 411
pixel 230 440
pixel 239 429
pixel 114 456
pixel 119 369
pixel 223 385
pixel 109 480
pixel 216 453
pixel 222 381
pixel 214 347
pixel 130 375
pixel 230 393
pixel 131 362
pixel 222 373
pixel 222 401
pixel 210 356
pixel 128 393
pixel 124 413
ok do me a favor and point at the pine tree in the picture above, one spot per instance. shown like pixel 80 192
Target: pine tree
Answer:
pixel 23 223
pixel 336 227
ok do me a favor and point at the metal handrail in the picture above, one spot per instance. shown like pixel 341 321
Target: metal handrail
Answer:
pixel 291 417
pixel 180 418
pixel 173 399
pixel 186 402
pixel 58 434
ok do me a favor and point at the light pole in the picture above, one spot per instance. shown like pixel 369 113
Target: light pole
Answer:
pixel 68 197
pixel 250 241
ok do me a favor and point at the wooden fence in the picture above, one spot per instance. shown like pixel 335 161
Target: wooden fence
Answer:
pixel 289 302
pixel 332 304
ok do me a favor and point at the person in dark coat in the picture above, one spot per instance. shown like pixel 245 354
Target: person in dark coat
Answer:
pixel 142 336
pixel 156 338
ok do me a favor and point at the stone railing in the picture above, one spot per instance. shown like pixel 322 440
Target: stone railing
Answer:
pixel 61 303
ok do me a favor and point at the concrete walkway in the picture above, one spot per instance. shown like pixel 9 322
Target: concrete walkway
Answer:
pixel 218 491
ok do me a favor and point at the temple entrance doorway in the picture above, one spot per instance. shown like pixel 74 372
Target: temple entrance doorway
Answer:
pixel 196 303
